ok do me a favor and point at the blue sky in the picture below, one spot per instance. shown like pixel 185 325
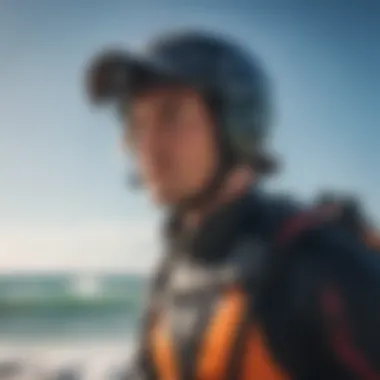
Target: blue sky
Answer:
pixel 63 198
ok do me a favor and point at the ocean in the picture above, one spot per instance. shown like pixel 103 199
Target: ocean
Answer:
pixel 53 324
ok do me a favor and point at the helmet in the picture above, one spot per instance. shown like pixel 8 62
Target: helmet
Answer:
pixel 211 64
pixel 217 68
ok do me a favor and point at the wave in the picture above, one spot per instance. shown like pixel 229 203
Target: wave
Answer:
pixel 67 304
pixel 43 316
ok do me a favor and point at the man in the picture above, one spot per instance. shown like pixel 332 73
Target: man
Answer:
pixel 251 287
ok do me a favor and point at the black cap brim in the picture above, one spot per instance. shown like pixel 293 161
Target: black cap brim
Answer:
pixel 117 73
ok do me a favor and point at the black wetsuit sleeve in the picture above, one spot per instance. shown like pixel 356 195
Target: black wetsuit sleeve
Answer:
pixel 141 365
pixel 340 303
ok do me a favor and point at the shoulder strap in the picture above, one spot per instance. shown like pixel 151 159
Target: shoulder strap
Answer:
pixel 296 225
pixel 290 232
pixel 287 226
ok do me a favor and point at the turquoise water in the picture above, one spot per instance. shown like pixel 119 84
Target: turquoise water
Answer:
pixel 54 307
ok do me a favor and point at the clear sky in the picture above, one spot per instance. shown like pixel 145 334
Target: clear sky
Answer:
pixel 63 198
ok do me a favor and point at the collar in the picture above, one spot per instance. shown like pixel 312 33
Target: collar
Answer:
pixel 217 234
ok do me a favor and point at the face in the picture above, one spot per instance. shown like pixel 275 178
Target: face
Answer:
pixel 173 141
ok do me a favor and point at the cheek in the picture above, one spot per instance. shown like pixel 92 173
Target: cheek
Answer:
pixel 196 155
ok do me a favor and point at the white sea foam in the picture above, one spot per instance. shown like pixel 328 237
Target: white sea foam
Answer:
pixel 92 360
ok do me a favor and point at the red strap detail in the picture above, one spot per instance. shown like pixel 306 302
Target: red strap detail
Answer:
pixel 301 222
pixel 341 339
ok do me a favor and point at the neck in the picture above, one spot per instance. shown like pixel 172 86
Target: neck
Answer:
pixel 236 184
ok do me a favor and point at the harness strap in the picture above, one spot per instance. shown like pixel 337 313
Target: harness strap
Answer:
pixel 292 228
pixel 305 220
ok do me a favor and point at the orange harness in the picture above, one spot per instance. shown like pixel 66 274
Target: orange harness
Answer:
pixel 218 345
pixel 221 336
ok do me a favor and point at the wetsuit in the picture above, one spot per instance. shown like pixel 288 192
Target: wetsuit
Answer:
pixel 238 299
pixel 372 239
